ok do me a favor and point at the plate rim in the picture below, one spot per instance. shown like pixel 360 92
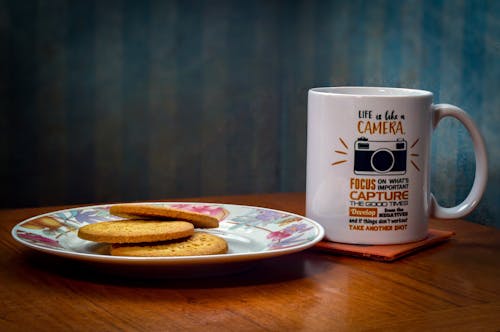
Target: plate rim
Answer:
pixel 180 260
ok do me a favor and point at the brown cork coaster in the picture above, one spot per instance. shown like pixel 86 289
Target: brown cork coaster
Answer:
pixel 385 253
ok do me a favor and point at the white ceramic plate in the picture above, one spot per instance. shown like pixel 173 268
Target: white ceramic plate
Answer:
pixel 252 233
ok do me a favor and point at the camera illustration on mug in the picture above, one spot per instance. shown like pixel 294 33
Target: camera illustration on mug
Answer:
pixel 380 157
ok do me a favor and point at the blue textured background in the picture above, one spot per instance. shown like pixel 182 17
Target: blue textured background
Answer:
pixel 129 100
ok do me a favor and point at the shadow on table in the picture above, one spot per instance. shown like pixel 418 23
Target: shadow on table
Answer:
pixel 267 271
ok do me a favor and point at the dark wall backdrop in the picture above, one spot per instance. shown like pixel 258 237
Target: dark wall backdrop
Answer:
pixel 131 100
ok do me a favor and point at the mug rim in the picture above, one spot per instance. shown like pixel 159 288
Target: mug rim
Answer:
pixel 370 91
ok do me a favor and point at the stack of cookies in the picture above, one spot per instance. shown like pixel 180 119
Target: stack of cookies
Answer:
pixel 152 231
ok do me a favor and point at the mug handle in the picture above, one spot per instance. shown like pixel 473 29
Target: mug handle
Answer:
pixel 471 201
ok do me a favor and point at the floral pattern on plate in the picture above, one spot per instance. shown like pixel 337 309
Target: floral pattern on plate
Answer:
pixel 248 230
pixel 272 221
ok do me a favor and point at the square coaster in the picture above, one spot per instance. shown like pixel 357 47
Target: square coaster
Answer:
pixel 385 253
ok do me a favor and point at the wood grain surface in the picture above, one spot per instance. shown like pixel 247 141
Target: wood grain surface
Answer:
pixel 453 286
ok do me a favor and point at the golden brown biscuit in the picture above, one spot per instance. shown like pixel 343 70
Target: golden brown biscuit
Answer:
pixel 135 231
pixel 155 211
pixel 198 244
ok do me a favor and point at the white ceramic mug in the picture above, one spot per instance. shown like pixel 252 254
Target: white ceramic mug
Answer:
pixel 368 163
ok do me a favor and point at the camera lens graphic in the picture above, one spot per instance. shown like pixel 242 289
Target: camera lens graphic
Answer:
pixel 382 160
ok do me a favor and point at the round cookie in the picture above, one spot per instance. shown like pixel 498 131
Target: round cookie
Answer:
pixel 198 244
pixel 199 220
pixel 135 231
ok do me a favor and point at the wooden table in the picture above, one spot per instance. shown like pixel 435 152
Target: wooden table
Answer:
pixel 453 286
